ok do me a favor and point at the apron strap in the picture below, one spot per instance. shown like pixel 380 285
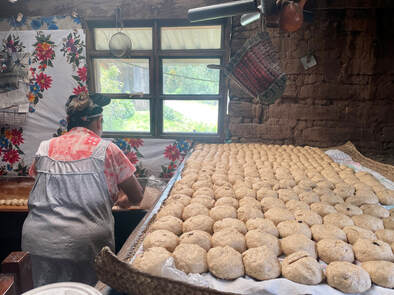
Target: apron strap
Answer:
pixel 99 152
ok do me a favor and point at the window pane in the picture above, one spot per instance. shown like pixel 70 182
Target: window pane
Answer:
pixel 190 116
pixel 190 76
pixel 192 37
pixel 141 38
pixel 127 115
pixel 122 75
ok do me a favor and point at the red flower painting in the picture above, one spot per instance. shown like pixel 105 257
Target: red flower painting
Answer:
pixel 172 152
pixel 80 89
pixel 15 136
pixel 132 156
pixel 11 156
pixel 44 51
pixel 135 142
pixel 44 81
pixel 82 73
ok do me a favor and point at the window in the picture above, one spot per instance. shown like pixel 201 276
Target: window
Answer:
pixel 163 88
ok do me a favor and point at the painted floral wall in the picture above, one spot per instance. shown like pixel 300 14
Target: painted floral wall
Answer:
pixel 56 67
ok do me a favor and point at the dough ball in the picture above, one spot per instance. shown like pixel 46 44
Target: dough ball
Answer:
pixel 388 222
pixel 307 216
pixel 287 195
pixel 151 261
pixel 369 222
pixel 307 183
pixel 190 258
pixel 230 223
pixel 367 250
pixel 248 201
pixel 169 223
pixel 198 237
pixel 386 197
pixel 353 233
pixel 309 197
pixel 201 184
pixel 338 219
pixel 381 272
pixel 321 190
pixel 330 250
pixel 269 203
pixel 229 237
pixel 363 197
pixel 348 209
pixel 203 200
pixel 224 192
pixel 225 263
pixel 344 190
pixel 257 238
pixel 298 242
pixel 262 224
pixel 261 184
pixel 173 209
pixel 266 193
pixel 293 205
pixel 194 209
pixel 326 184
pixel 322 208
pixel 301 268
pixel 261 263
pixel 277 215
pixel 347 277
pixel 331 199
pixel 245 213
pixel 291 227
pixel 327 231
pixel 184 199
pixel 161 238
pixel 243 192
pixel 386 235
pixel 227 201
pixel 198 222
pixel 375 210
pixel 221 212
pixel 184 191
pixel 206 191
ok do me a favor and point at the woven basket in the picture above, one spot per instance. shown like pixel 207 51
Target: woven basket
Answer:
pixel 349 148
pixel 11 117
pixel 256 67
pixel 122 277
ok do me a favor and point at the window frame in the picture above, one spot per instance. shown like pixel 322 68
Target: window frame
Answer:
pixel 156 96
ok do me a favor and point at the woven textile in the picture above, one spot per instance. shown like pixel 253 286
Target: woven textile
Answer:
pixel 256 67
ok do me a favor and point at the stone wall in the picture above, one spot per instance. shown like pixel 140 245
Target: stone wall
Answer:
pixel 349 95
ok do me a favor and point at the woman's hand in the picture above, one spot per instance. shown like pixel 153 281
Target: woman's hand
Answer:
pixel 123 201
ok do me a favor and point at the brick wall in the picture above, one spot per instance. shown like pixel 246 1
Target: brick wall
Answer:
pixel 349 95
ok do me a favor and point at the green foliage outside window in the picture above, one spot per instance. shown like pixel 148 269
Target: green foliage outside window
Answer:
pixel 121 114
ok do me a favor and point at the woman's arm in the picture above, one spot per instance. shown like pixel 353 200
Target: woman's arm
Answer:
pixel 133 190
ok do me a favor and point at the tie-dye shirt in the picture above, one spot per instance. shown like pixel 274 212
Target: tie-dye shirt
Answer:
pixel 79 143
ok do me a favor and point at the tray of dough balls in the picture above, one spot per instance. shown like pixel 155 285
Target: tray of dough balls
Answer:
pixel 14 192
pixel 270 219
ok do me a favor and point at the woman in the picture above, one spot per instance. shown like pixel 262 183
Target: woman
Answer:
pixel 78 177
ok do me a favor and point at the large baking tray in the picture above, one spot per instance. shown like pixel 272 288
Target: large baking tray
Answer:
pixel 116 272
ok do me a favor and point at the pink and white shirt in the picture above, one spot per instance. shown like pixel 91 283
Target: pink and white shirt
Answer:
pixel 79 143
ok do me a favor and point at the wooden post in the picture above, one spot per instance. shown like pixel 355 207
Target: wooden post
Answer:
pixel 19 264
pixel 7 284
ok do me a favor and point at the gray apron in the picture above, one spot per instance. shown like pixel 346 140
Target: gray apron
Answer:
pixel 70 218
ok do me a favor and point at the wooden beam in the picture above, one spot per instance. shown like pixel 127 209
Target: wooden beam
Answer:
pixel 153 9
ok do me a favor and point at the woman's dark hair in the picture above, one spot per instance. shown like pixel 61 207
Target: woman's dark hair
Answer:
pixel 84 108
pixel 73 122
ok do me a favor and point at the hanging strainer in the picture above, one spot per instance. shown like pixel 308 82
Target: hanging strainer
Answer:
pixel 119 44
